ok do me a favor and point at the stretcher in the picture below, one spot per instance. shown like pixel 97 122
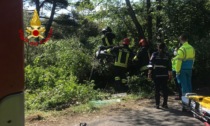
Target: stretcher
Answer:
pixel 199 105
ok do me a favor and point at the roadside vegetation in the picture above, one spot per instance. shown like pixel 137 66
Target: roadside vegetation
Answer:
pixel 64 72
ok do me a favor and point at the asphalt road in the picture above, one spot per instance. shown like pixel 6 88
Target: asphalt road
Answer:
pixel 147 117
pixel 132 113
pixel 143 113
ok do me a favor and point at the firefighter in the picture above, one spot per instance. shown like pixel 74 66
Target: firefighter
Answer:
pixel 142 57
pixel 107 38
pixel 107 42
pixel 184 65
pixel 160 71
pixel 123 56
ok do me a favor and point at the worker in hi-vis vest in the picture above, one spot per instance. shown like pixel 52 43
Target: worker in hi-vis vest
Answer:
pixel 123 56
pixel 185 60
pixel 178 85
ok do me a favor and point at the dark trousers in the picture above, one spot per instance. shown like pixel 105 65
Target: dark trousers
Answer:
pixel 178 86
pixel 161 84
pixel 120 76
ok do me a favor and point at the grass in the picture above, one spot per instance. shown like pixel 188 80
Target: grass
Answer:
pixel 36 115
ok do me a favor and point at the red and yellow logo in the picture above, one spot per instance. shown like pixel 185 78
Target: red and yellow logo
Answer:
pixel 35 32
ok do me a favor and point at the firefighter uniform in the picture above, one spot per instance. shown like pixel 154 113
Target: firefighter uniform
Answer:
pixel 107 42
pixel 161 69
pixel 184 65
pixel 107 39
pixel 123 55
pixel 142 57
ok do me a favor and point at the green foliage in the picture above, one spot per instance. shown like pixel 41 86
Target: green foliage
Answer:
pixel 192 17
pixel 64 26
pixel 188 16
pixel 56 72
pixel 75 25
pixel 62 57
pixel 62 95
pixel 84 5
pixel 140 85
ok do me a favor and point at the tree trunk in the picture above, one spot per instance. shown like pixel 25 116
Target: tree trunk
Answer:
pixel 134 19
pixel 158 23
pixel 149 22
pixel 49 24
pixel 37 6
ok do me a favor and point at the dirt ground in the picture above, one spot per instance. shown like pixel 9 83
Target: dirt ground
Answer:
pixel 129 113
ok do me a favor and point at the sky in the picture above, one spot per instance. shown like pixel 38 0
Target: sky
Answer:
pixel 43 12
pixel 46 12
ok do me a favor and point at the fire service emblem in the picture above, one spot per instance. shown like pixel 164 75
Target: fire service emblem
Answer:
pixel 35 32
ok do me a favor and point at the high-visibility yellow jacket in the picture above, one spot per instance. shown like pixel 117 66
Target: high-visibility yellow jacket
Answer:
pixel 173 62
pixel 185 57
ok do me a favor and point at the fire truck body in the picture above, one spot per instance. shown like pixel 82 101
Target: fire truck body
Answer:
pixel 11 64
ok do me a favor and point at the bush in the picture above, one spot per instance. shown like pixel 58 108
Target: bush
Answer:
pixel 140 85
pixel 53 78
pixel 64 94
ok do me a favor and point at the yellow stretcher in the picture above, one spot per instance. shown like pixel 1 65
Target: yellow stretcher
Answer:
pixel 198 105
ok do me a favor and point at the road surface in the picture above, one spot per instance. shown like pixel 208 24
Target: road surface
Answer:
pixel 132 113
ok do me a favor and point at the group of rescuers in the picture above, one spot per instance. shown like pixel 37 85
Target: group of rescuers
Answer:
pixel 159 66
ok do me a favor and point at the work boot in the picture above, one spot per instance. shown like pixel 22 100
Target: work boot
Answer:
pixel 165 106
pixel 157 107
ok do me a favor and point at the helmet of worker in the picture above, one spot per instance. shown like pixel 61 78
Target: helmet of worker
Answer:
pixel 108 29
pixel 142 42
pixel 162 46
pixel 126 41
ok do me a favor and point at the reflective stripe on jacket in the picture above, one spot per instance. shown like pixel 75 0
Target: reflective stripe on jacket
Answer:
pixel 108 38
pixel 185 57
pixel 161 65
pixel 122 58
pixel 122 55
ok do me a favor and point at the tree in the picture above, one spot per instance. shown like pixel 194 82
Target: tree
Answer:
pixel 149 21
pixel 134 19
pixel 55 4
pixel 159 22
pixel 50 5
pixel 192 17
pixel 38 5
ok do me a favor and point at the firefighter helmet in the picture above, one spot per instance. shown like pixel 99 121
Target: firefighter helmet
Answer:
pixel 105 30
pixel 108 29
pixel 126 41
pixel 142 42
